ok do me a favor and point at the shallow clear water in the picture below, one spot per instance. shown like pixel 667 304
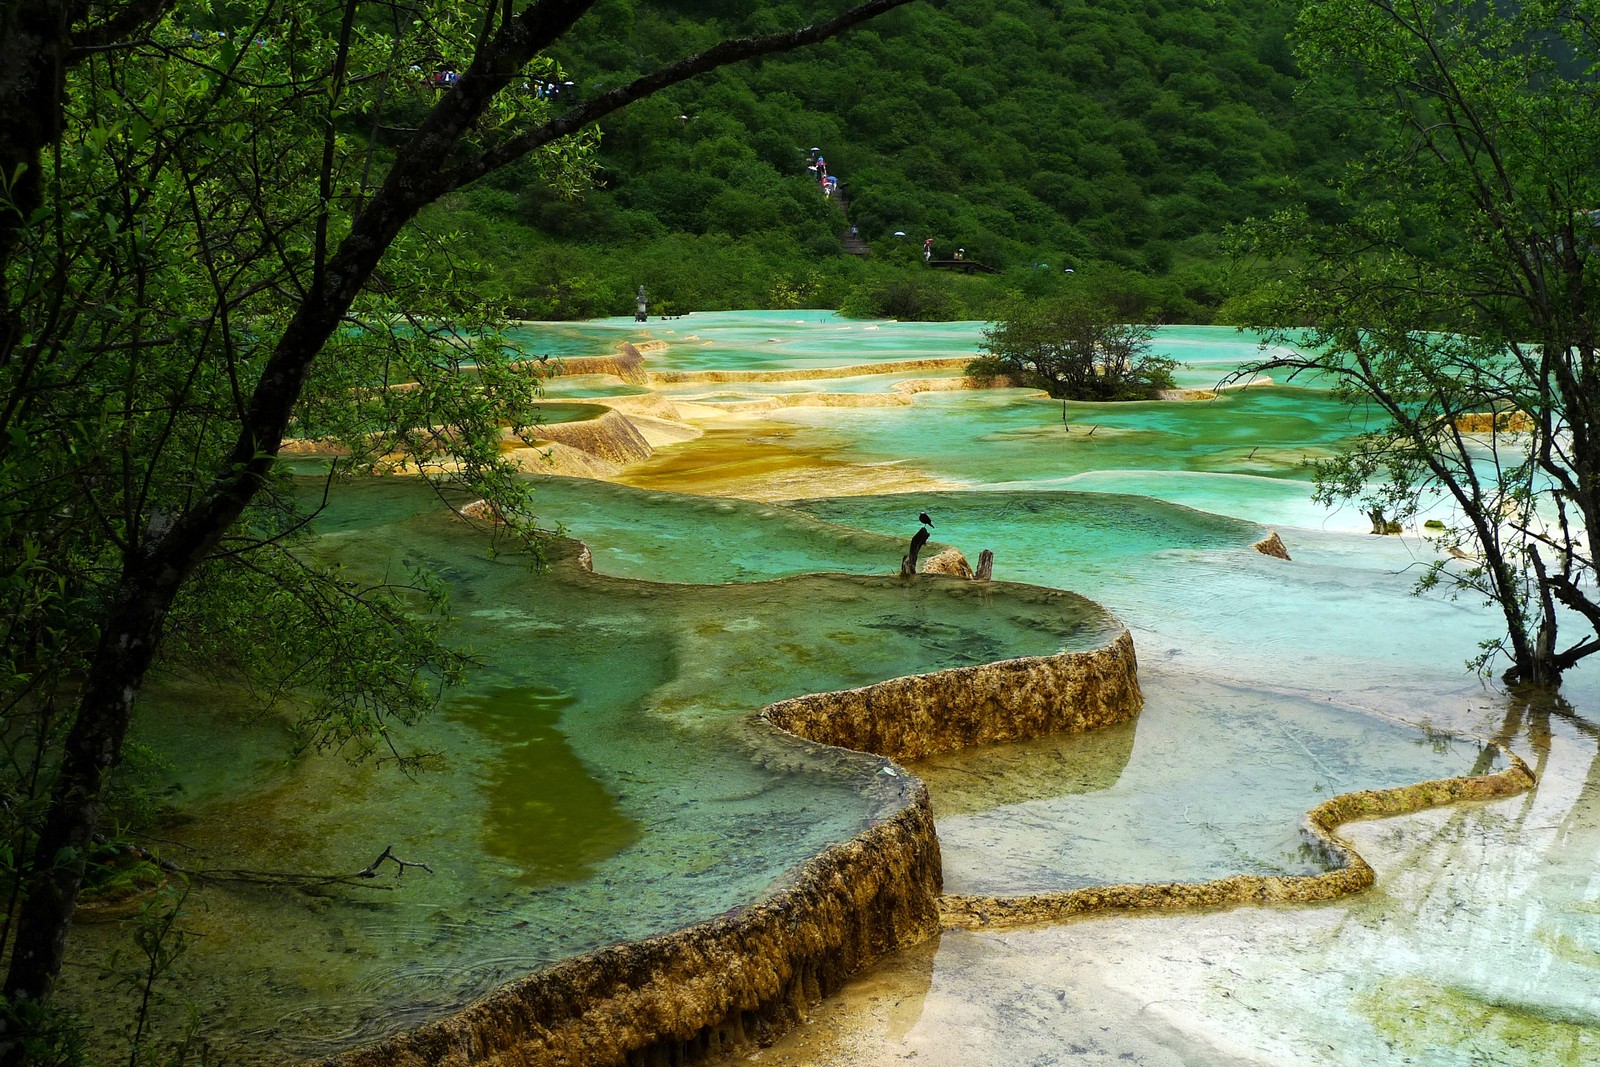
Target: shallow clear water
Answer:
pixel 1011 438
pixel 724 393
pixel 600 779
pixel 582 386
pixel 1477 946
pixel 755 340
pixel 674 537
pixel 558 413
pixel 1137 805
pixel 1196 596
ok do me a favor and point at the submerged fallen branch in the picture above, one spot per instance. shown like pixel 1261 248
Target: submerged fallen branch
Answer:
pixel 371 869
pixel 297 880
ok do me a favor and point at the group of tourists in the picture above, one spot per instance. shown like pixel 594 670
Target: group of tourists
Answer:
pixel 818 167
pixel 446 78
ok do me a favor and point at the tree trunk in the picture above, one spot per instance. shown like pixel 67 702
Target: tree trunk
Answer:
pixel 93 748
pixel 153 574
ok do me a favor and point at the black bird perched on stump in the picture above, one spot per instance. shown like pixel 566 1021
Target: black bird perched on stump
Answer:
pixel 923 518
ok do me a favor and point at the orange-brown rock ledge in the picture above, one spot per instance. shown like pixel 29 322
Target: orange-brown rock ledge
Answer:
pixel 755 970
pixel 711 986
pixel 1012 700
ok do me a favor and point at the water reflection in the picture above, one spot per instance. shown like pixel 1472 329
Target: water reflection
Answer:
pixel 544 813
pixel 1215 786
pixel 1478 945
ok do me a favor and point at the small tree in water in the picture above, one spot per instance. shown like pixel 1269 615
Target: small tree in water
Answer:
pixel 1452 301
pixel 1074 348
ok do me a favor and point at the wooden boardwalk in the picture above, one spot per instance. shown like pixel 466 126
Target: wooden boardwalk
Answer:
pixel 965 266
pixel 849 239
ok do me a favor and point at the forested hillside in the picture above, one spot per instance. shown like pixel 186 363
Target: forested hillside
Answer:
pixel 1114 137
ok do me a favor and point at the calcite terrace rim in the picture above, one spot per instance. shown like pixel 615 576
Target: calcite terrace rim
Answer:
pixel 1349 872
pixel 1069 690
pixel 713 985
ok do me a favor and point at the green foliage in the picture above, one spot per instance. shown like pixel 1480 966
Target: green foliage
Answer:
pixel 112 877
pixel 188 203
pixel 160 941
pixel 1074 348
pixel 1086 136
pixel 917 296
pixel 352 661
pixel 205 171
pixel 204 250
pixel 44 1036
pixel 1449 296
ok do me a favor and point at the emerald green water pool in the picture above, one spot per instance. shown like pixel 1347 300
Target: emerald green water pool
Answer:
pixel 559 413
pixel 600 778
pixel 753 340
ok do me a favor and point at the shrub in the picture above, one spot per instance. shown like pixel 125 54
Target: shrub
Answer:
pixel 1074 348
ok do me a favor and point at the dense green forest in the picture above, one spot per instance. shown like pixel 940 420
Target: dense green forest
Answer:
pixel 1119 138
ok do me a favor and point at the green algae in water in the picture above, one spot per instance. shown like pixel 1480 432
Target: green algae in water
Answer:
pixel 603 781
pixel 815 633
pixel 674 537
pixel 1438 1021
pixel 1043 524
pixel 210 737
pixel 554 414
pixel 999 438
pixel 581 386
pixel 543 811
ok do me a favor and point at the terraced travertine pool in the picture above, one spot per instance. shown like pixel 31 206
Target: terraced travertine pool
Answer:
pixel 600 778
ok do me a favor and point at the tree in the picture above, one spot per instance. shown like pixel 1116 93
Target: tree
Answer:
pixel 1074 348
pixel 1452 301
pixel 206 246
